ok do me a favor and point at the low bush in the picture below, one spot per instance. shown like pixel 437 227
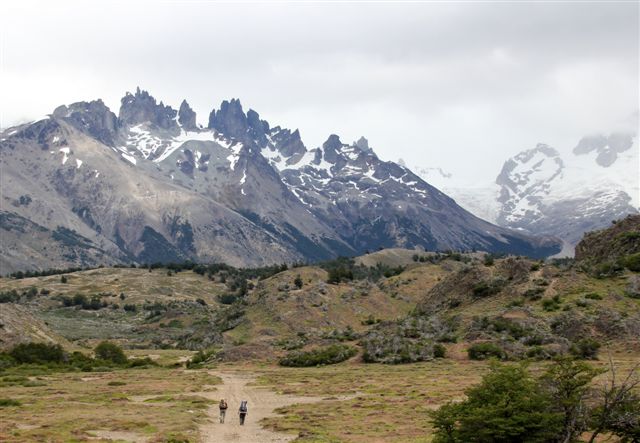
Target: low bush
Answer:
pixel 7 402
pixel 317 357
pixel 484 351
pixel 110 352
pixel 631 262
pixel 586 348
pixel 37 353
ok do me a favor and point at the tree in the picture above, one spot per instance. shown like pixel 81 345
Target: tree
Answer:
pixel 568 383
pixel 298 281
pixel 507 406
pixel 110 352
pixel 618 408
pixel 63 279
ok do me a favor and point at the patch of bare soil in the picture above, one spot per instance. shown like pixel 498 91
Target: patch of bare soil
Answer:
pixel 261 404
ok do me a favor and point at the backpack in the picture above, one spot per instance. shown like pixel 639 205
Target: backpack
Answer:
pixel 243 406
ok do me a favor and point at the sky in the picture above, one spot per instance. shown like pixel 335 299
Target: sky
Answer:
pixel 457 85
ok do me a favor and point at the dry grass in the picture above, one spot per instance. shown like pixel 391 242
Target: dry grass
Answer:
pixel 148 404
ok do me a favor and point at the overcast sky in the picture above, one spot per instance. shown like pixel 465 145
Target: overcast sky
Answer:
pixel 460 86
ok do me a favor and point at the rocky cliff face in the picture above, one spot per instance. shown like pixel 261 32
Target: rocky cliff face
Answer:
pixel 150 185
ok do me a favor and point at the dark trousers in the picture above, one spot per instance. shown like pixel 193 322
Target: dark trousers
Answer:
pixel 242 416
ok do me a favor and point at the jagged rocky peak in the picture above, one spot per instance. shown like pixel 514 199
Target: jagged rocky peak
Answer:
pixel 363 144
pixel 332 148
pixel 287 143
pixel 230 120
pixel 606 147
pixel 93 118
pixel 141 107
pixel 187 117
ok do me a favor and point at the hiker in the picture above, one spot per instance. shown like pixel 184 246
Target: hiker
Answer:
pixel 223 409
pixel 243 411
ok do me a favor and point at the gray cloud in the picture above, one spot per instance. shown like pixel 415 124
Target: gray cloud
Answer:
pixel 459 85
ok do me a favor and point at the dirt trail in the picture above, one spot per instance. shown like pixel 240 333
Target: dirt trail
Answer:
pixel 261 402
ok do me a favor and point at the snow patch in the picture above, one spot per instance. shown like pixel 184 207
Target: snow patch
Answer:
pixel 65 154
pixel 129 158
pixel 78 163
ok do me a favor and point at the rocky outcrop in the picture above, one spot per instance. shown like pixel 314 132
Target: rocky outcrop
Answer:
pixel 93 118
pixel 607 147
pixel 141 107
pixel 187 117
pixel 620 239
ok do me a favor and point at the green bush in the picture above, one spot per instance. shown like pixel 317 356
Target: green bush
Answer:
pixel 110 352
pixel 507 406
pixel 199 359
pixel 483 351
pixel 551 304
pixel 227 299
pixel 485 289
pixel 439 351
pixel 298 281
pixel 7 402
pixel 488 260
pixel 587 349
pixel 631 262
pixel 37 353
pixel 593 296
pixel 321 356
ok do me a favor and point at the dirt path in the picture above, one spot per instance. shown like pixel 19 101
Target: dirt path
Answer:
pixel 261 402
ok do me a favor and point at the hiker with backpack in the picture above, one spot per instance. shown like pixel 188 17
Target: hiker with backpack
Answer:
pixel 223 409
pixel 243 411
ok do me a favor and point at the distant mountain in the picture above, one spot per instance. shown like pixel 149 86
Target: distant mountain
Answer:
pixel 87 186
pixel 541 192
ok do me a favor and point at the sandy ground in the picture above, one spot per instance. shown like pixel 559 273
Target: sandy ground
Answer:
pixel 261 403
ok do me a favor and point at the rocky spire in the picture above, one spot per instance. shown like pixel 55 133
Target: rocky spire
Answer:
pixel 229 120
pixel 141 107
pixel 187 117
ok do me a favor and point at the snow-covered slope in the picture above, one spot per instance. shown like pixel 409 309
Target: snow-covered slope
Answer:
pixel 542 191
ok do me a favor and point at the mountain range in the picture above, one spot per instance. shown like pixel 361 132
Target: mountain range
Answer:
pixel 85 187
pixel 543 191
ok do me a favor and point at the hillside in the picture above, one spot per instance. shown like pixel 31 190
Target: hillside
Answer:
pixel 524 306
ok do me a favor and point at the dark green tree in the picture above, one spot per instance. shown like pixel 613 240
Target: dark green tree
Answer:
pixel 110 352
pixel 506 407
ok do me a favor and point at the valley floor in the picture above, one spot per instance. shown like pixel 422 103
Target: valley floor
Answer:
pixel 349 402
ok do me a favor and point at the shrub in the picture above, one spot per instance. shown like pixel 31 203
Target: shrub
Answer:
pixel 632 262
pixel 7 402
pixel 483 351
pixel 488 260
pixel 593 296
pixel 37 353
pixel 507 406
pixel 485 289
pixel 298 282
pixel 199 359
pixel 439 351
pixel 587 349
pixel 227 299
pixel 607 269
pixel 130 308
pixel 551 304
pixel 321 356
pixel 110 352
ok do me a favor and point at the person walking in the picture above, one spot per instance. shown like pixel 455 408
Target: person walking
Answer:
pixel 223 409
pixel 243 411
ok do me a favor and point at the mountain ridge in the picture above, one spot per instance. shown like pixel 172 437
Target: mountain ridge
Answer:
pixel 150 182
